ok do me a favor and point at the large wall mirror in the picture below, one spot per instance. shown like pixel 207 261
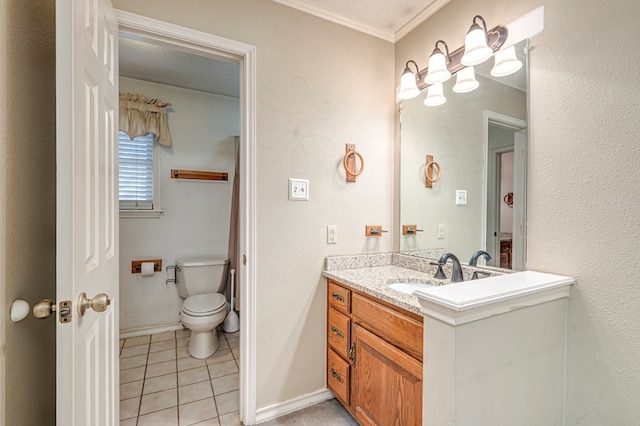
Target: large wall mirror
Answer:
pixel 479 139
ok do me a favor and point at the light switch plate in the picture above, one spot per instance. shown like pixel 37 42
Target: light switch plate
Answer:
pixel 298 189
pixel 332 234
pixel 461 197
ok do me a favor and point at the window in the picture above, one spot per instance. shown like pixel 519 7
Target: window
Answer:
pixel 136 172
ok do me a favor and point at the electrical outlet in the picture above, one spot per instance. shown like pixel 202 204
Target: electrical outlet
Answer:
pixel 461 197
pixel 298 189
pixel 441 231
pixel 332 234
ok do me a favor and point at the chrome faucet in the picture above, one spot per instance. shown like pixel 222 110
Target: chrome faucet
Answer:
pixel 456 275
pixel 480 253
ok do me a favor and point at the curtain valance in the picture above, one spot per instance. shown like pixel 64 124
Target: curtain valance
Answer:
pixel 140 115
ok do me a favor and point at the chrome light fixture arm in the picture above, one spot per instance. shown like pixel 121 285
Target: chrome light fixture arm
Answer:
pixel 417 74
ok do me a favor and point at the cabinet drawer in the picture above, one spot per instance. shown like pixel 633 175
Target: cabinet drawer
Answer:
pixel 338 376
pixel 338 332
pixel 394 327
pixel 339 298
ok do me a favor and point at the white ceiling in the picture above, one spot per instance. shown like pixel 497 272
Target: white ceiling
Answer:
pixel 385 19
pixel 164 65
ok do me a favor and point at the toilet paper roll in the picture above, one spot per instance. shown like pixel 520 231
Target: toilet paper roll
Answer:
pixel 147 269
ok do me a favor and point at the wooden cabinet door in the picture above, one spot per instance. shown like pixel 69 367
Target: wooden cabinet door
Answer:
pixel 386 383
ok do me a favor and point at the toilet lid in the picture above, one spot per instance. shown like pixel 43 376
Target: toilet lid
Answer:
pixel 204 304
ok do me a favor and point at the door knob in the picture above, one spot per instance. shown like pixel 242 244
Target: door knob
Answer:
pixel 99 303
pixel 44 308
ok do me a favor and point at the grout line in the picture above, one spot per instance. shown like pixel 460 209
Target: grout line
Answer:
pixel 144 380
pixel 175 336
pixel 213 393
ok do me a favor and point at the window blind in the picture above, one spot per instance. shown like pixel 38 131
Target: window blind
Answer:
pixel 135 158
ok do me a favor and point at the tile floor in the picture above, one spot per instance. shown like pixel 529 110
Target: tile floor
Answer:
pixel 328 413
pixel 162 385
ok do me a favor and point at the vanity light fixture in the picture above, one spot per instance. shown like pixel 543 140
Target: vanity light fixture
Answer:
pixel 466 81
pixel 506 62
pixel 408 82
pixel 435 95
pixel 476 45
pixel 438 72
pixel 480 45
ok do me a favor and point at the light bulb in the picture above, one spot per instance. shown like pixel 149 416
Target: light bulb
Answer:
pixel 435 95
pixel 506 62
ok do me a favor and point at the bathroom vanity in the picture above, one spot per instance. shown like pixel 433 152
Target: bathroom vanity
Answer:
pixel 482 352
pixel 375 336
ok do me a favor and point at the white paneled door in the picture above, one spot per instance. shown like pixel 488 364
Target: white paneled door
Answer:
pixel 87 220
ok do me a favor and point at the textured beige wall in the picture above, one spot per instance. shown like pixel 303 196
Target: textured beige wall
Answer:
pixel 319 86
pixel 584 218
pixel 28 207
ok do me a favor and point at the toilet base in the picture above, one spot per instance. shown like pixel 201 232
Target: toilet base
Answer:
pixel 203 344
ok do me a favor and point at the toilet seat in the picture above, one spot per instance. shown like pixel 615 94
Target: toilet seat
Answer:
pixel 204 305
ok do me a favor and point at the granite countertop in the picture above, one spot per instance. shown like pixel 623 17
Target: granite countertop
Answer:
pixel 372 273
pixel 454 303
pixel 374 280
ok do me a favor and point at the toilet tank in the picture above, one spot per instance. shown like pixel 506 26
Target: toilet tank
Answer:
pixel 200 275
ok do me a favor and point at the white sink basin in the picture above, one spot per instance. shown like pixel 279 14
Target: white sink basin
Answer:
pixel 408 288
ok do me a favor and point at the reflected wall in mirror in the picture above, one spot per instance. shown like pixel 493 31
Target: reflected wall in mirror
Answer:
pixel 479 140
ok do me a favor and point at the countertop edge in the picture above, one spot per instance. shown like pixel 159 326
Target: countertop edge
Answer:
pixel 401 300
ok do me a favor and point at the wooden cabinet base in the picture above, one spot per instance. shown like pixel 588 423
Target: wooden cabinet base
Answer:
pixel 374 358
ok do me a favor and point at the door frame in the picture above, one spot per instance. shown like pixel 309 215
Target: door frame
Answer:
pixel 520 162
pixel 494 175
pixel 206 44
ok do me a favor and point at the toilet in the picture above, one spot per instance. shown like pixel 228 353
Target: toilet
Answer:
pixel 200 283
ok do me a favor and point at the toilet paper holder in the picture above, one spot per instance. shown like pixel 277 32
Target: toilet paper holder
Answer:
pixel 174 280
pixel 136 265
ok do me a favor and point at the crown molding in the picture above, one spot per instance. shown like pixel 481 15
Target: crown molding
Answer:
pixel 334 17
pixel 419 18
pixel 364 28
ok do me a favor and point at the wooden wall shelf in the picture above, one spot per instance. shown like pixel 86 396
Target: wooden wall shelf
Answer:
pixel 195 174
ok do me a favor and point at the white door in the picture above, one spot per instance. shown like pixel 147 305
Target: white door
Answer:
pixel 87 221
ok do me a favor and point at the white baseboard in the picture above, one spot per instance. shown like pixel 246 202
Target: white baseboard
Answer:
pixel 295 404
pixel 144 331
